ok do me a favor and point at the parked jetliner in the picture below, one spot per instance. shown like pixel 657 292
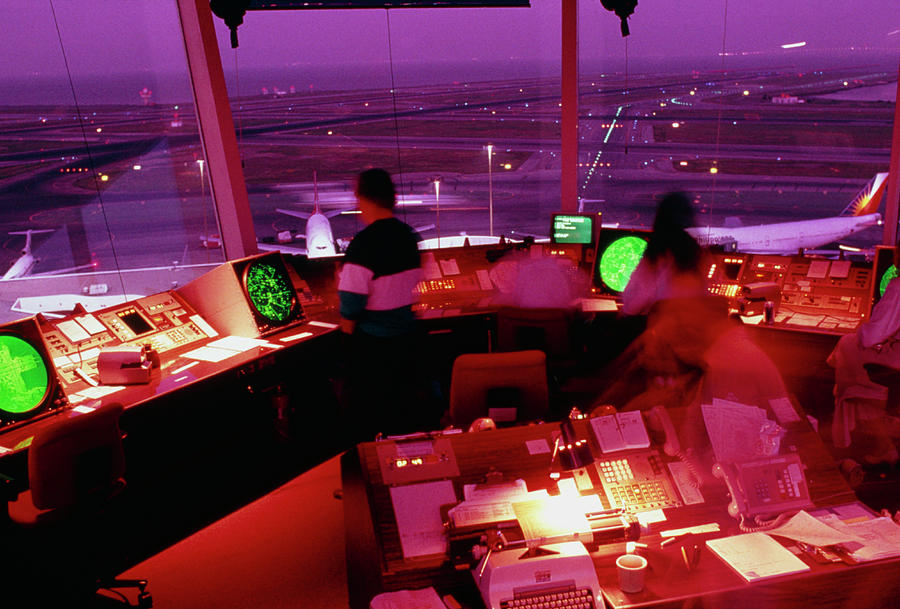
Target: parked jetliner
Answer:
pixel 789 237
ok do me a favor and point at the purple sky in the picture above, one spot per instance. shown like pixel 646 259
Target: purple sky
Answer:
pixel 105 36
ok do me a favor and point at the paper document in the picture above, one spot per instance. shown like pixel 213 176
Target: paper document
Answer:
pixel 808 529
pixel 733 430
pixel 620 431
pixel 426 598
pixel 210 354
pixel 756 556
pixel 237 343
pixel 878 537
pixel 417 508
pixel 552 520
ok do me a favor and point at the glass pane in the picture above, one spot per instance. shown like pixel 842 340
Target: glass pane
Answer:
pixel 99 156
pixel 785 114
pixel 419 92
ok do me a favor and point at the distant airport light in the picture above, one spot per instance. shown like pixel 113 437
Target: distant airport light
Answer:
pixel 693 93
pixel 330 132
pixel 507 165
pixel 136 167
pixel 714 170
pixel 99 129
pixel 846 83
pixel 104 177
pixel 746 92
pixel 683 163
pixel 793 45
pixel 676 125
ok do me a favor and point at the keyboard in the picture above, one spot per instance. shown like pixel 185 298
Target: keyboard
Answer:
pixel 569 597
pixel 558 575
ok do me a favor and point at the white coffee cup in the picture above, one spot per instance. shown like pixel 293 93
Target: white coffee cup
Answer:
pixel 631 569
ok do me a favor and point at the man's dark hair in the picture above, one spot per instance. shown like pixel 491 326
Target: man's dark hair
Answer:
pixel 673 216
pixel 376 186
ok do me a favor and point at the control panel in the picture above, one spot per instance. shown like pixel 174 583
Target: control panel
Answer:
pixel 163 321
pixel 827 294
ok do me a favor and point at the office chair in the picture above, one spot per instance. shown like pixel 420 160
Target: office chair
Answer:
pixel 492 384
pixel 544 329
pixel 75 467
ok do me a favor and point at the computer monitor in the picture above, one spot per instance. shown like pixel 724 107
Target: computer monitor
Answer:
pixel 618 253
pixel 580 229
pixel 28 382
pixel 270 292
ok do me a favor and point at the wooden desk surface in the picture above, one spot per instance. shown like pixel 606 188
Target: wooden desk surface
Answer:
pixel 376 563
pixel 178 374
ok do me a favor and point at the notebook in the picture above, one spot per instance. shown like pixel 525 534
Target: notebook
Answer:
pixel 756 556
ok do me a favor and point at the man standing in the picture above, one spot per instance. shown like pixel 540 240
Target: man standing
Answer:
pixel 377 290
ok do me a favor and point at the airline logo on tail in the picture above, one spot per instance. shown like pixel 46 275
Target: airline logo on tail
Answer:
pixel 869 198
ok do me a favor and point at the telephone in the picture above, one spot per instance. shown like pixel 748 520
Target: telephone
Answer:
pixel 766 486
pixel 659 423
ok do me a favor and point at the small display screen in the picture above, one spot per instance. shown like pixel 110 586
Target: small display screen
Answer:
pixel 618 254
pixel 24 378
pixel 732 270
pixel 135 321
pixel 270 290
pixel 568 228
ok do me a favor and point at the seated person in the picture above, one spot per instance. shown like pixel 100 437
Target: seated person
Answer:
pixel 691 352
pixel 859 404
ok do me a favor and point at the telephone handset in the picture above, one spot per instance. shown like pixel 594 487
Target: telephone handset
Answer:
pixel 659 422
pixel 766 486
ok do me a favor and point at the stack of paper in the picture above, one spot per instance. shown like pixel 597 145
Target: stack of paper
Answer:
pixel 733 429
pixel 620 431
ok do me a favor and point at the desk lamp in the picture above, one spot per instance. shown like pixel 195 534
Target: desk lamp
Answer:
pixel 574 454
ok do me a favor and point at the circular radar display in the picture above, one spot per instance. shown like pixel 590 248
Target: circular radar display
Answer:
pixel 270 291
pixel 24 379
pixel 886 278
pixel 619 261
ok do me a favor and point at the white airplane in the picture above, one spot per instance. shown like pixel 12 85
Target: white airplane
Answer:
pixel 24 264
pixel 790 237
pixel 319 238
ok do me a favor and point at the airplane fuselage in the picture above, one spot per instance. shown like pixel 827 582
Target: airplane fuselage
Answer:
pixel 785 237
pixel 20 268
pixel 319 240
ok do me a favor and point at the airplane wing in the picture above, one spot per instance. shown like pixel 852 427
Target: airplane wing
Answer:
pixel 294 213
pixel 287 249
pixel 69 269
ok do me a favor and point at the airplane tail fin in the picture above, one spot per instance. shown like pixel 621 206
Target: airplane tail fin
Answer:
pixel 868 200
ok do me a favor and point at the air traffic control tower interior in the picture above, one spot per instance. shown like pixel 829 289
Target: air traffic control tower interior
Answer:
pixel 653 361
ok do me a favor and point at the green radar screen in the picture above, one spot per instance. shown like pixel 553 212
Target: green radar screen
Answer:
pixel 889 274
pixel 619 261
pixel 24 379
pixel 270 291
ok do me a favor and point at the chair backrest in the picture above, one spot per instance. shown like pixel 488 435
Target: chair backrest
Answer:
pixel 520 328
pixel 78 459
pixel 481 381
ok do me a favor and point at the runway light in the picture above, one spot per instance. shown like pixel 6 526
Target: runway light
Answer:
pixel 846 83
pixel 676 125
pixel 104 177
pixel 714 170
pixel 330 132
pixel 507 165
pixel 683 163
pixel 136 167
pixel 693 93
pixel 99 129
pixel 746 92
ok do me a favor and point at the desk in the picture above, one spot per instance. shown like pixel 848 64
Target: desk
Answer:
pixel 375 562
pixel 162 401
